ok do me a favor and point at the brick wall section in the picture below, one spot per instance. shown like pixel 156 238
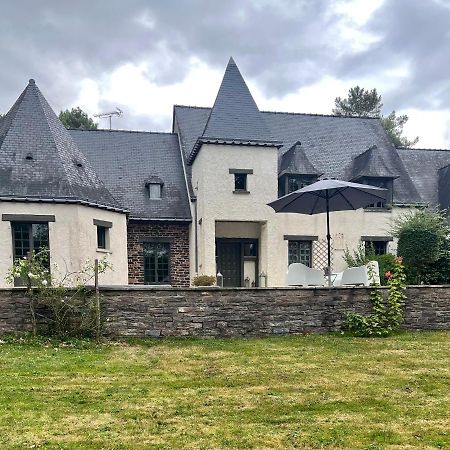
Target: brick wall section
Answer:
pixel 136 311
pixel 178 236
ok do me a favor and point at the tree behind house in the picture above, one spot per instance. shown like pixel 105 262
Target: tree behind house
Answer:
pixel 367 103
pixel 77 118
pixel 359 103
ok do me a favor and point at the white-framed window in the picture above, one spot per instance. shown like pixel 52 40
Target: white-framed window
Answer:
pixel 154 190
pixel 103 234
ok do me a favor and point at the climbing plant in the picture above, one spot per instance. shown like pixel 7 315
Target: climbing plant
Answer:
pixel 385 317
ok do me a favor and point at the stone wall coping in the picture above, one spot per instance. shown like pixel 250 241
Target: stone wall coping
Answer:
pixel 156 288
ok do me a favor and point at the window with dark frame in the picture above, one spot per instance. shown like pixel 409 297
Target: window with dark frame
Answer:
pixel 378 247
pixel 300 252
pixel 156 263
pixel 28 237
pixel 297 182
pixel 240 182
pixel 101 237
pixel 386 183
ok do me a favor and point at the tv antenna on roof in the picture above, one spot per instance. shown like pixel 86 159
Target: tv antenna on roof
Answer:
pixel 118 112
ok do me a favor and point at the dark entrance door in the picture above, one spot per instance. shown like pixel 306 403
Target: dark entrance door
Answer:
pixel 229 263
pixel 236 259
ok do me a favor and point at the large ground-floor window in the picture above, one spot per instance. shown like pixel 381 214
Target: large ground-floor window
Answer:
pixel 28 237
pixel 156 263
pixel 300 252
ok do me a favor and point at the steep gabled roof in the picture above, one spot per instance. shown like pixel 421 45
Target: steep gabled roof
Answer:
pixel 295 161
pixel 39 161
pixel 370 164
pixel 128 160
pixel 235 114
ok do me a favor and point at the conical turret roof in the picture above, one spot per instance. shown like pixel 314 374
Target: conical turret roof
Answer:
pixel 39 159
pixel 235 114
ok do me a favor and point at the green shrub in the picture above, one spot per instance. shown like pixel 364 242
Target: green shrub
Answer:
pixel 204 280
pixel 422 242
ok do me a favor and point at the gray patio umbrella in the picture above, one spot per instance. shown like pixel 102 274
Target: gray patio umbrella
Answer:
pixel 328 195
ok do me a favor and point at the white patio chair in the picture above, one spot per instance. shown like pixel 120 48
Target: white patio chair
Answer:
pixel 300 275
pixel 355 276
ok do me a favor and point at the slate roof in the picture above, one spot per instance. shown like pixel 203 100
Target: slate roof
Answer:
pixel 127 160
pixel 370 164
pixel 423 166
pixel 235 114
pixel 330 143
pixel 295 161
pixel 234 117
pixel 39 161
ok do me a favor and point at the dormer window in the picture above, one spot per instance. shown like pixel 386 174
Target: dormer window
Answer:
pixel 154 186
pixel 386 183
pixel 292 183
pixel 296 182
pixel 154 190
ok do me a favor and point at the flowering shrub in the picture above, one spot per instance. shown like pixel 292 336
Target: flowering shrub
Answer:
pixel 384 318
pixel 67 298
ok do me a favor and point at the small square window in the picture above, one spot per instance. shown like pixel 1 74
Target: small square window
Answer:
pixel 154 191
pixel 102 237
pixel 240 181
pixel 377 247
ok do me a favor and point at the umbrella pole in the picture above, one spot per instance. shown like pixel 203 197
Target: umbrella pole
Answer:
pixel 328 241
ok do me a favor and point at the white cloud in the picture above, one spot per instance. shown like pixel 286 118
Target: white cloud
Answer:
pixel 432 127
pixel 130 85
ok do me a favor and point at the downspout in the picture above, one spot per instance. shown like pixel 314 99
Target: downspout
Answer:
pixel 196 235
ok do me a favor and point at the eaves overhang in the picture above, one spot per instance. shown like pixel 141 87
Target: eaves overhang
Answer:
pixel 160 219
pixel 62 200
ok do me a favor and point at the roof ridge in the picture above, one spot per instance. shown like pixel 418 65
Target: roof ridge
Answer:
pixel 424 149
pixel 191 106
pixel 318 115
pixel 121 131
pixel 284 112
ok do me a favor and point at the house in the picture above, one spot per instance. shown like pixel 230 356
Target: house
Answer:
pixel 167 206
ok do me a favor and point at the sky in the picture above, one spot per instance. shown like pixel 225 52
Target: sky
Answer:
pixel 296 55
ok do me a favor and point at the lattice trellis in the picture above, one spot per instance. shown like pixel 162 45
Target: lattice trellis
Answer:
pixel 320 254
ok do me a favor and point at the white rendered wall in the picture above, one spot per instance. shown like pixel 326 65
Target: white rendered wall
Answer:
pixel 73 238
pixel 217 204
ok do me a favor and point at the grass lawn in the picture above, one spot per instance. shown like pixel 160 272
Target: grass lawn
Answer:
pixel 307 392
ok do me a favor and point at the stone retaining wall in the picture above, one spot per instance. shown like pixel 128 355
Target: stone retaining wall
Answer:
pixel 136 311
